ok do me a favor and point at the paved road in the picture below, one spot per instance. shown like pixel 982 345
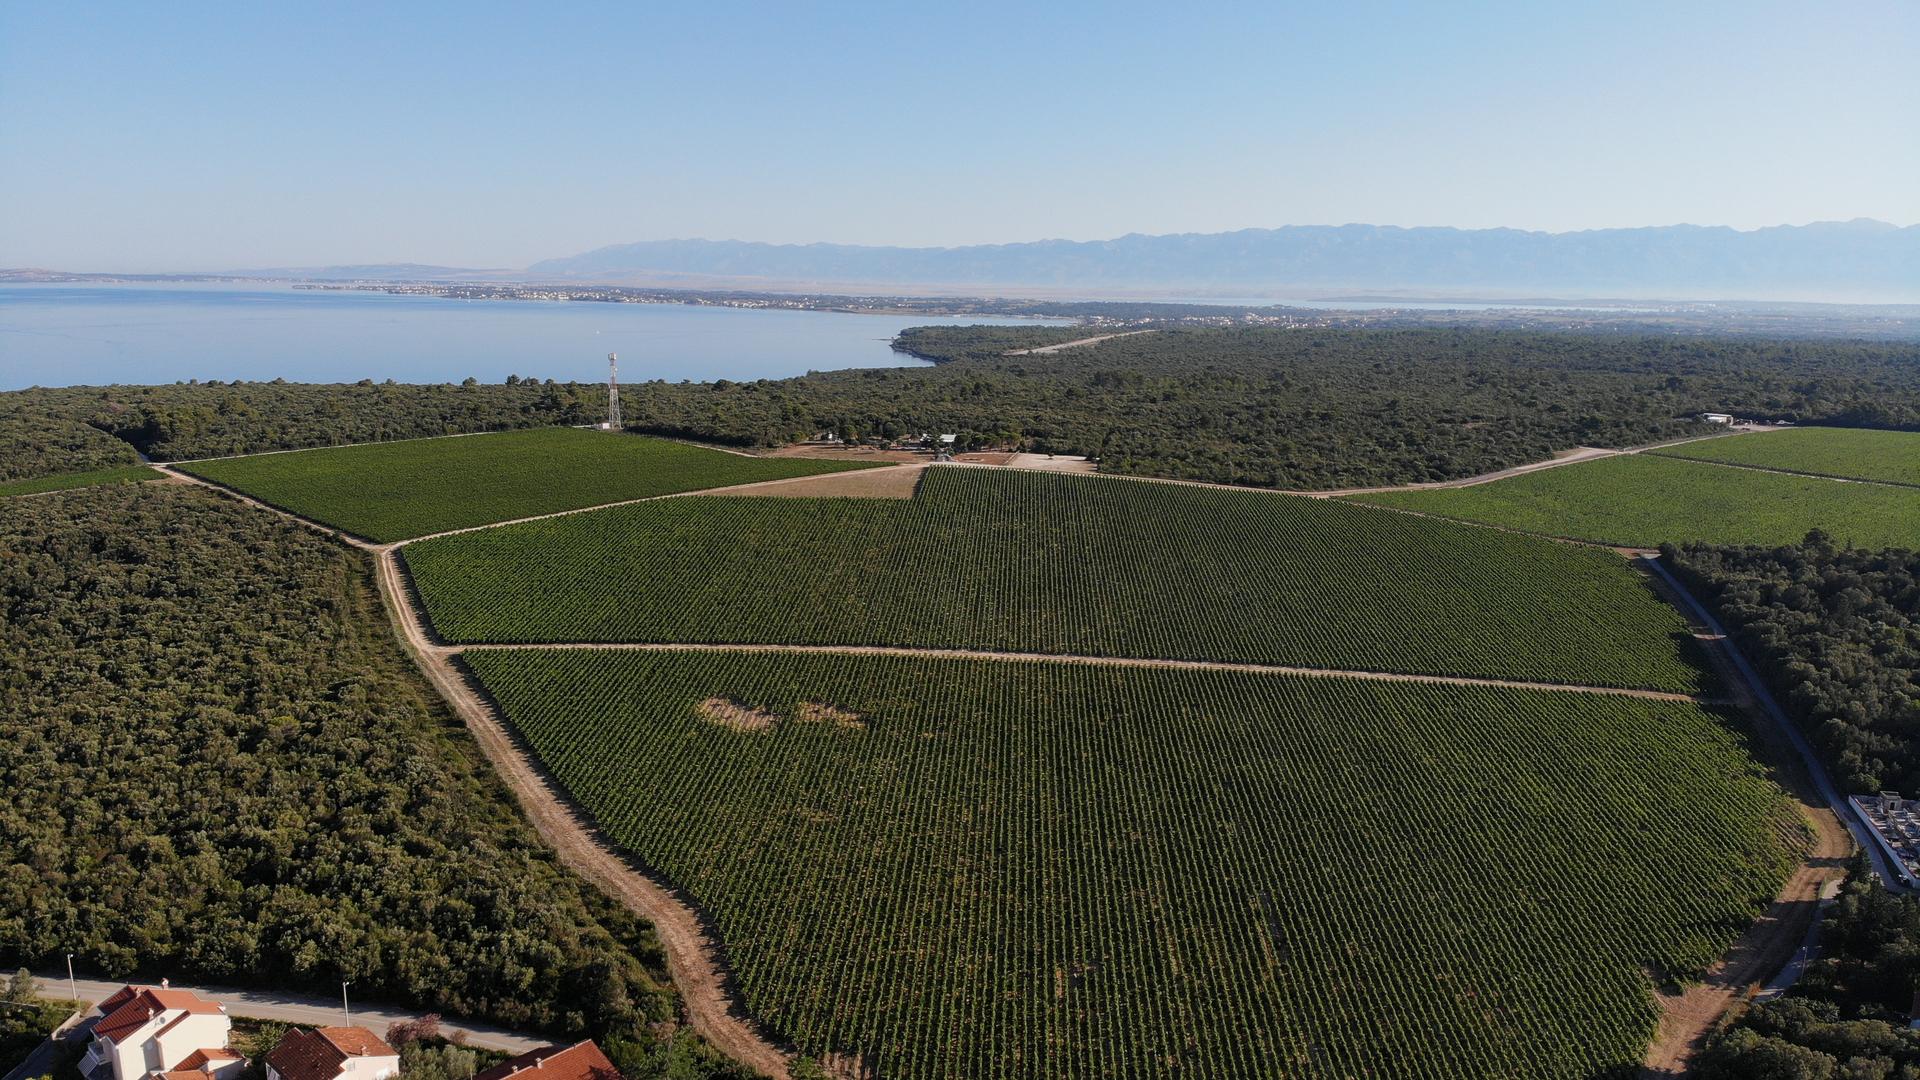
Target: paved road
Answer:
pixel 303 1009
pixel 1815 770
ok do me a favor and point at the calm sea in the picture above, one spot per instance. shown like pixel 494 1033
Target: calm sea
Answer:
pixel 66 335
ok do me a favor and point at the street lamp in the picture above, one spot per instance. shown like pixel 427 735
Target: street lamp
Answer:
pixel 343 1003
pixel 72 987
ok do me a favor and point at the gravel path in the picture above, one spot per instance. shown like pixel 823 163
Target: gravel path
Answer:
pixel 1075 343
pixel 1097 661
pixel 693 955
pixel 693 958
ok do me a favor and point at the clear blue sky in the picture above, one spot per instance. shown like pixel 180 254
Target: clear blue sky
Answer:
pixel 202 136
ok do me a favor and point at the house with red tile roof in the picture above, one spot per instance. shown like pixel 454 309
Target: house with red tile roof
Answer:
pixel 581 1061
pixel 145 1031
pixel 332 1053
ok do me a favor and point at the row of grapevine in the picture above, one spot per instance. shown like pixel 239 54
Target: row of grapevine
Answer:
pixel 1891 457
pixel 1030 562
pixel 397 490
pixel 1048 870
pixel 1645 500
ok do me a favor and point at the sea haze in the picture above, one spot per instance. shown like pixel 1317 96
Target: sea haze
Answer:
pixel 65 335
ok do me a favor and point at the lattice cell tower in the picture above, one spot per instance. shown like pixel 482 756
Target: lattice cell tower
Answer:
pixel 613 392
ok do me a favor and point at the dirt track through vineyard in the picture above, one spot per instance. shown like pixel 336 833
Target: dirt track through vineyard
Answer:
pixel 693 956
pixel 1098 661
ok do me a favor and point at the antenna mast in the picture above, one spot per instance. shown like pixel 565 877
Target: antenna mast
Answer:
pixel 613 392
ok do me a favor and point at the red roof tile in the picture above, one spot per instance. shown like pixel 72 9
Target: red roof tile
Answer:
pixel 199 1058
pixel 318 1054
pixel 581 1061
pixel 129 1009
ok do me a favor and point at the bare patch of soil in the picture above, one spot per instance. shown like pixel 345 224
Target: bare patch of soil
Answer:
pixel 818 712
pixel 736 715
pixel 1066 463
pixel 897 482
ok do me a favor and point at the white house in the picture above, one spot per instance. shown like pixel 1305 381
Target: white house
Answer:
pixel 144 1031
pixel 332 1053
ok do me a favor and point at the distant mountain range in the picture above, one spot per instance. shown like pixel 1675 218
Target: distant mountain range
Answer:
pixel 1860 260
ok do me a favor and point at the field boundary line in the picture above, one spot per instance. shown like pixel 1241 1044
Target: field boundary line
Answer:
pixel 346 446
pixel 367 544
pixel 1762 697
pixel 651 498
pixel 1774 946
pixel 693 955
pixel 339 534
pixel 700 979
pixel 1073 658
pixel 1627 550
pixel 1786 472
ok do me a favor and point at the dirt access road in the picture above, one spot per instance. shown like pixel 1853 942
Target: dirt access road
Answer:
pixel 693 959
pixel 1076 343
pixel 694 956
pixel 1772 943
pixel 1068 658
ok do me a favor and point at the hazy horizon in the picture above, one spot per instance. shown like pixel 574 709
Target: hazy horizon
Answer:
pixel 224 136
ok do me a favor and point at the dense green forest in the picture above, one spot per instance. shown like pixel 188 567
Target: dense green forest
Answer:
pixel 43 432
pixel 1836 632
pixel 216 763
pixel 1267 406
pixel 1846 1019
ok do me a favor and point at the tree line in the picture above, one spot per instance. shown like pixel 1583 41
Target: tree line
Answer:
pixel 1836 634
pixel 1280 407
pixel 219 766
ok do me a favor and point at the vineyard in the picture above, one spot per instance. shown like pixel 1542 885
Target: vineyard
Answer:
pixel 1028 562
pixel 986 869
pixel 1642 500
pixel 1853 453
pixel 400 490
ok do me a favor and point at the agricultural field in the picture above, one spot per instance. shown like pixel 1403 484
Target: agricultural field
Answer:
pixel 1030 562
pixel 1891 457
pixel 1641 500
pixel 131 474
pixel 978 868
pixel 400 490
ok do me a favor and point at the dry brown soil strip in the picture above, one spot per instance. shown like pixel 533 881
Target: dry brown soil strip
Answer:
pixel 692 959
pixel 1100 661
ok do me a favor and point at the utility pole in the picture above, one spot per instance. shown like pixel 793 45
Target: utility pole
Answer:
pixel 343 1003
pixel 72 987
pixel 613 392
